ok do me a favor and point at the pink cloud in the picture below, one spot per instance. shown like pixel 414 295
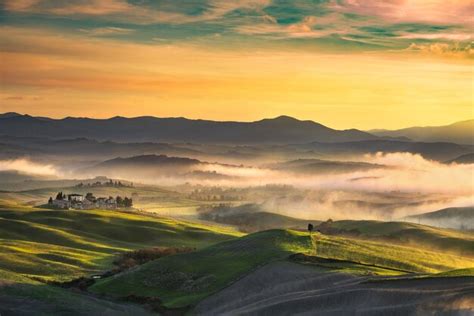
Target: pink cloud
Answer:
pixel 432 11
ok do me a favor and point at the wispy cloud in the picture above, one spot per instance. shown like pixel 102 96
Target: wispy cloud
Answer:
pixel 444 49
pixel 124 11
pixel 104 31
pixel 432 11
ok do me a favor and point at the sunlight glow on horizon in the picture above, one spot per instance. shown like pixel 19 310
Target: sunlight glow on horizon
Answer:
pixel 363 64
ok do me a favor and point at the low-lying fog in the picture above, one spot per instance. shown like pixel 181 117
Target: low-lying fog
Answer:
pixel 379 186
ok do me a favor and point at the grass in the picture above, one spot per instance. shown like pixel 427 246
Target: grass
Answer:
pixel 21 295
pixel 61 245
pixel 185 279
pixel 457 273
pixel 410 234
pixel 388 255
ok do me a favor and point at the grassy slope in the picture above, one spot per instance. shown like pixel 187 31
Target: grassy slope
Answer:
pixel 187 278
pixel 61 245
pixel 410 234
pixel 22 296
pixel 258 221
pixel 391 256
pixel 221 264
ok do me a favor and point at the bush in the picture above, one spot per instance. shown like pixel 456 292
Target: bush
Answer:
pixel 141 256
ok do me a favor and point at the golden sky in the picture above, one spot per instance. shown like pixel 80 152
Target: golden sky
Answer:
pixel 66 67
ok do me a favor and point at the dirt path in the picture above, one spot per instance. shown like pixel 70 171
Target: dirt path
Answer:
pixel 285 288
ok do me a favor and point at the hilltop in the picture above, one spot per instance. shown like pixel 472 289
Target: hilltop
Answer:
pixel 454 217
pixel 459 132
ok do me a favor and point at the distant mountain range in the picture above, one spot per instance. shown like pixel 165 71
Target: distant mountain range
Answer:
pixel 280 130
pixel 460 133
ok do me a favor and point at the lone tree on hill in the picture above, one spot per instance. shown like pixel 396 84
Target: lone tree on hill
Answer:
pixel 310 228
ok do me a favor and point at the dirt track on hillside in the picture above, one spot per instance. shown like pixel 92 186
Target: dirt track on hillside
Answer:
pixel 285 288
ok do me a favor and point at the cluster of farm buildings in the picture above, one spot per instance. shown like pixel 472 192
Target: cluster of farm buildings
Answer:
pixel 89 201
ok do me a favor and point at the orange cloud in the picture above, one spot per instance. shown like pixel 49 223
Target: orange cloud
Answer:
pixel 77 75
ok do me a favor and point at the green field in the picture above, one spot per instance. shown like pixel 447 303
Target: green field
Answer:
pixel 187 278
pixel 410 234
pixel 390 256
pixel 61 245
pixel 57 245
pixel 20 295
pixel 212 268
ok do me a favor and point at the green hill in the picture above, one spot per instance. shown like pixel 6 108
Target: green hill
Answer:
pixel 453 217
pixel 408 234
pixel 22 296
pixel 61 245
pixel 185 279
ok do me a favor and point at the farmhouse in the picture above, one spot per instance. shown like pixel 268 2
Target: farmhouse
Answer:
pixel 89 201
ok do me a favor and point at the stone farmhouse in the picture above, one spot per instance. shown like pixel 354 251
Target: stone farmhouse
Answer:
pixel 87 202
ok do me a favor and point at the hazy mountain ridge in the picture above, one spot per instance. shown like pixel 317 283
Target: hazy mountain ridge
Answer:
pixel 280 130
pixel 463 159
pixel 459 132
pixel 318 166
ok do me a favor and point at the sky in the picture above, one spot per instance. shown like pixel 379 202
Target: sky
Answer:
pixel 344 63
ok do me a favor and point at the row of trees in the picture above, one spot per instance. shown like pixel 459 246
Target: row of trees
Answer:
pixel 124 202
pixel 110 183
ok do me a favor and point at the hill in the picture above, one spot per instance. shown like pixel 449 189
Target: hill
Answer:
pixel 403 233
pixel 456 217
pixel 187 278
pixel 61 245
pixel 23 296
pixel 280 130
pixel 463 159
pixel 460 133
pixel 439 151
pixel 250 218
pixel 152 167
pixel 318 166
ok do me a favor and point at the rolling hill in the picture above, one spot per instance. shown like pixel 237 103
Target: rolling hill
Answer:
pixel 250 218
pixel 456 217
pixel 186 279
pixel 463 159
pixel 62 245
pixel 435 151
pixel 280 130
pixel 460 133
pixel 318 166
